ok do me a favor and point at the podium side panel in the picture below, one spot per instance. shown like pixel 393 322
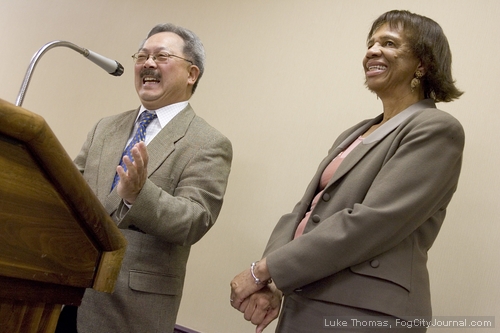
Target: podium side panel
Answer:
pixel 39 237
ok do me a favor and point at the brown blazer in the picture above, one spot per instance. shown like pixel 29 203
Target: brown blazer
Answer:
pixel 189 165
pixel 366 242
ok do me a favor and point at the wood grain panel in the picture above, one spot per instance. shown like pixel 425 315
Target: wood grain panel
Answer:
pixel 36 227
pixel 25 317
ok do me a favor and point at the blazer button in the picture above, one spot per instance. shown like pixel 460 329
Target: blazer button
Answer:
pixel 374 263
pixel 326 196
pixel 316 218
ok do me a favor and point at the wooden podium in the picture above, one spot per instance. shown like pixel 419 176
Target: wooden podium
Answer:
pixel 56 238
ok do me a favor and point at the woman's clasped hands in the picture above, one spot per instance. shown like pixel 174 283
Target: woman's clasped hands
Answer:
pixel 256 296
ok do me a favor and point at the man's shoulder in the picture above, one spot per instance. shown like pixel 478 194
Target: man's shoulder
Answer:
pixel 116 119
pixel 199 126
pixel 121 115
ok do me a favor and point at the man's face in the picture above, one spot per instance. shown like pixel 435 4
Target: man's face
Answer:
pixel 165 83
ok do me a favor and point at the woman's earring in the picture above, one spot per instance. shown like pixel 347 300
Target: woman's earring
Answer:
pixel 415 82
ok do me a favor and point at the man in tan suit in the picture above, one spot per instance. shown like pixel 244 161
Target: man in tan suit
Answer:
pixel 167 196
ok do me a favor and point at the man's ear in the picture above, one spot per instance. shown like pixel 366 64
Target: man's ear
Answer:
pixel 193 74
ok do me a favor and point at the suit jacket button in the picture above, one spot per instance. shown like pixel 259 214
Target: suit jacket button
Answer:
pixel 316 218
pixel 326 196
pixel 374 263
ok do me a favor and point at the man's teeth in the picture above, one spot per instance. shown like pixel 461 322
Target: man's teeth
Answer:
pixel 150 79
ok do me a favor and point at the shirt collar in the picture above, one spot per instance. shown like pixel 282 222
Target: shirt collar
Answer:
pixel 166 113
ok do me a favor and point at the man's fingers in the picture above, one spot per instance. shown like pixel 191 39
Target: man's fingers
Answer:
pixel 141 146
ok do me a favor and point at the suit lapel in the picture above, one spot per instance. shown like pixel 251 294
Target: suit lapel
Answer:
pixel 354 156
pixel 312 189
pixel 371 140
pixel 164 142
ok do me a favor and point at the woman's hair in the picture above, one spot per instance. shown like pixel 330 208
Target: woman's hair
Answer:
pixel 429 44
pixel 193 47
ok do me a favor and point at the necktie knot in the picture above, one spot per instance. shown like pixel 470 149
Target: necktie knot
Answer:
pixel 144 120
pixel 146 117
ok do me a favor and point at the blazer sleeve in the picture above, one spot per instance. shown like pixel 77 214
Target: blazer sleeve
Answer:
pixel 182 211
pixel 366 217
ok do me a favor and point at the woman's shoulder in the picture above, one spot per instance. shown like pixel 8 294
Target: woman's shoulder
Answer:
pixel 437 123
pixel 437 116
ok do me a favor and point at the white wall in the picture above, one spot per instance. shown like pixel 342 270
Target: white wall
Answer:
pixel 283 78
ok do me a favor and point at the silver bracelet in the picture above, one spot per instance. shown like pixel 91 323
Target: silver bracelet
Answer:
pixel 256 279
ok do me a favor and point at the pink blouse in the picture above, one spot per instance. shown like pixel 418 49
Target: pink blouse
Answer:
pixel 325 178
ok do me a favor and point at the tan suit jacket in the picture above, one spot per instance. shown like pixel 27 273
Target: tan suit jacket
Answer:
pixel 189 165
pixel 365 244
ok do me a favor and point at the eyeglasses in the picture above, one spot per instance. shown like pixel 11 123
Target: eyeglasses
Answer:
pixel 160 57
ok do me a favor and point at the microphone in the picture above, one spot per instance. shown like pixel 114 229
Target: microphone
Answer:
pixel 113 67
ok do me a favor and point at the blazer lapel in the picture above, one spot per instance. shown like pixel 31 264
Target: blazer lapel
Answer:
pixel 164 142
pixel 350 159
pixel 393 123
pixel 313 185
pixel 371 140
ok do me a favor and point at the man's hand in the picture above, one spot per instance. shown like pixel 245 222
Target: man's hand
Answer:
pixel 132 180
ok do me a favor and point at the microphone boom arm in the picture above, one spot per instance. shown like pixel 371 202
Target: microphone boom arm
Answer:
pixel 111 66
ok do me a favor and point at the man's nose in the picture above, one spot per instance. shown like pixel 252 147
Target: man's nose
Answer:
pixel 150 61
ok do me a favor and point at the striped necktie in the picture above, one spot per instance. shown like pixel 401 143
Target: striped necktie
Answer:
pixel 144 120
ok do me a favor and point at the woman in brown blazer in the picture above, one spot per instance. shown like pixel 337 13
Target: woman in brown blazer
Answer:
pixel 351 256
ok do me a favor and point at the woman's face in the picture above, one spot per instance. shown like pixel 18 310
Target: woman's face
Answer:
pixel 389 63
